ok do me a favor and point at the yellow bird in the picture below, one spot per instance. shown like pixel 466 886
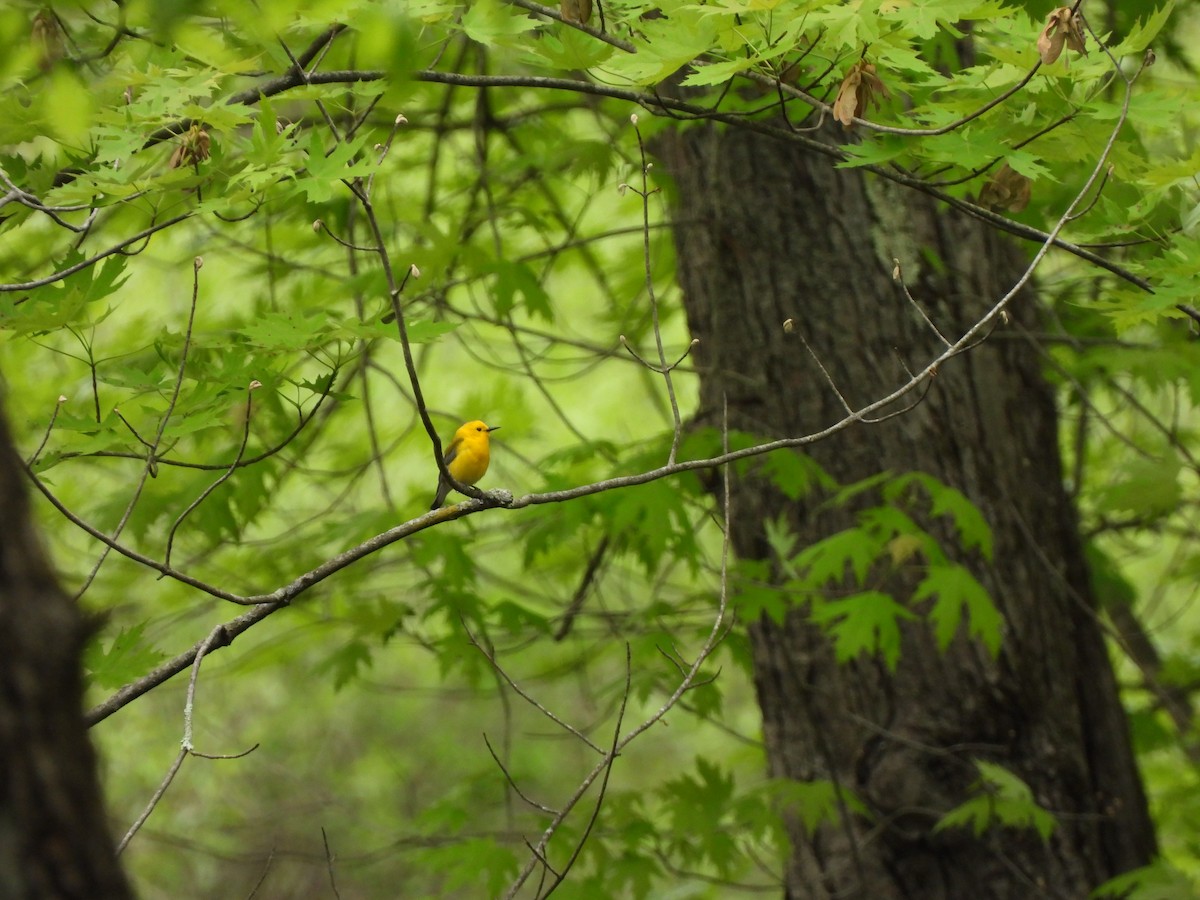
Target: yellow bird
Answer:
pixel 467 458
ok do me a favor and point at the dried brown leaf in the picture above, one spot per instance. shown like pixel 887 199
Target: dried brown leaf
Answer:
pixel 1063 29
pixel 846 103
pixel 1006 189
pixel 194 147
pixel 47 36
pixel 1075 38
pixel 861 87
pixel 578 11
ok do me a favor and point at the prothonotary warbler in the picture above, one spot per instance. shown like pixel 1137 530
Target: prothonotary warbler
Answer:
pixel 467 458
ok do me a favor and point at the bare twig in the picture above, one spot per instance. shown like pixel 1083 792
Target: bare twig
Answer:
pixel 825 372
pixel 33 457
pixel 581 592
pixel 524 695
pixel 92 260
pixel 152 450
pixel 612 758
pixel 158 795
pixel 687 683
pixel 186 747
pixel 512 782
pixel 898 276
pixel 254 385
pixel 648 264
pixel 329 858
pixel 262 877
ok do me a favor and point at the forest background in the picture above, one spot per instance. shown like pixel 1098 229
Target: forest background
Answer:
pixel 256 257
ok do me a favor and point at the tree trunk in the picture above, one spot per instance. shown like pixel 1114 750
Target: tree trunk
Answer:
pixel 765 233
pixel 54 839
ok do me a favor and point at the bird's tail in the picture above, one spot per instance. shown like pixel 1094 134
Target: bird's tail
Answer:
pixel 442 492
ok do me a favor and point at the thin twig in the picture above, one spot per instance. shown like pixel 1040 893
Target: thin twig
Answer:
pixel 828 378
pixel 329 864
pixel 524 695
pixel 158 795
pixel 151 467
pixel 92 260
pixel 262 877
pixel 254 385
pixel 898 276
pixel 612 758
pixel 716 633
pixel 648 265
pixel 512 782
pixel 185 745
pixel 581 592
pixel 33 457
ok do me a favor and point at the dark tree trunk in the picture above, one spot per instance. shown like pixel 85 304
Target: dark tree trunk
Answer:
pixel 765 233
pixel 54 839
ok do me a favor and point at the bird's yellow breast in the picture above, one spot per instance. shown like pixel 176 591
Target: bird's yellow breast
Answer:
pixel 470 453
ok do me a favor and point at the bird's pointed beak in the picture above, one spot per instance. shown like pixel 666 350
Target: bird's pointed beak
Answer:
pixel 494 428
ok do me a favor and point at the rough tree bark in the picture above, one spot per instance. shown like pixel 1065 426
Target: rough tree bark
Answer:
pixel 54 839
pixel 766 232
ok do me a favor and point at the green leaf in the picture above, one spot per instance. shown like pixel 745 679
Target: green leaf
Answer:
pixel 346 663
pixel 1145 487
pixel 472 866
pixel 419 332
pixel 868 622
pixel 652 521
pixel 816 802
pixel 1142 33
pixel 55 306
pixel 960 597
pixel 827 560
pixel 666 45
pixel 796 474
pixel 850 491
pixel 127 657
pixel 568 49
pixel 974 531
pixel 706 797
pixel 1109 583
pixel 522 618
pixel 492 23
pixel 288 331
pixel 753 594
pixel 716 73
pixel 69 107
pixel 1003 800
pixel 325 170
pixel 513 279
pixel 1158 881
pixel 703 797
pixel 780 537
